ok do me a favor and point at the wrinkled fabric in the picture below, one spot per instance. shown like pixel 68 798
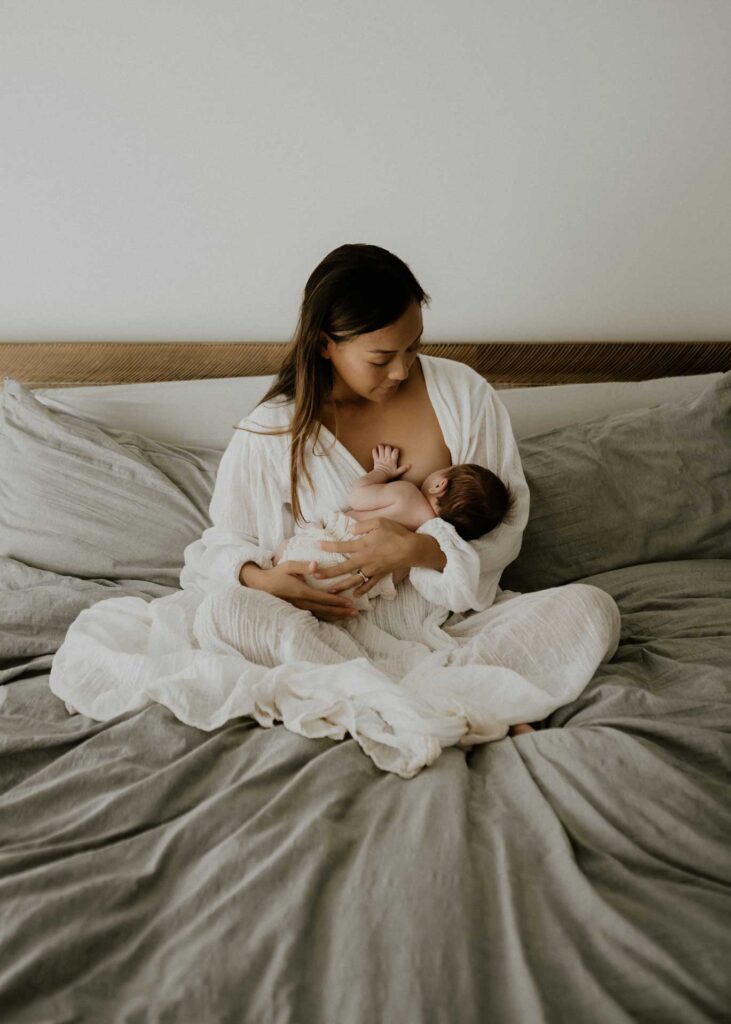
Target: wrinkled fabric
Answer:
pixel 579 874
pixel 395 678
pixel 251 509
pixel 303 547
pixel 403 700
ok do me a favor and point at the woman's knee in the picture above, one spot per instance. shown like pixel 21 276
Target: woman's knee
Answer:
pixel 222 608
pixel 209 613
pixel 606 616
pixel 246 620
pixel 600 598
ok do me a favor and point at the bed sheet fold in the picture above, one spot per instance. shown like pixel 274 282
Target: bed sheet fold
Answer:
pixel 150 870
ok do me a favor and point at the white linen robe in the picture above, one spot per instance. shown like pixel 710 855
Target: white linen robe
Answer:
pixel 405 678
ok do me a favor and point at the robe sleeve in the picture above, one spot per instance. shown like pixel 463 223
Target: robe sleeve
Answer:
pixel 472 572
pixel 246 511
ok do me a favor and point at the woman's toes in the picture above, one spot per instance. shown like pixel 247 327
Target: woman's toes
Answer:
pixel 520 728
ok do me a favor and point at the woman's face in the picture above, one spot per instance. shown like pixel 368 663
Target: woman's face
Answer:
pixel 372 367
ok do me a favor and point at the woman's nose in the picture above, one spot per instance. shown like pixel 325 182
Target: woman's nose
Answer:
pixel 397 378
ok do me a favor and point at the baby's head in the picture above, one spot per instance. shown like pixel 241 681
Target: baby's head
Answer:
pixel 469 497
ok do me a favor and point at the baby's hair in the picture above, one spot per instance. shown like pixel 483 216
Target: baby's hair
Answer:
pixel 474 501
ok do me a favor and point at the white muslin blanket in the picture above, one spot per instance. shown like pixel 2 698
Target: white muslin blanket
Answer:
pixel 302 547
pixel 402 702
pixel 450 659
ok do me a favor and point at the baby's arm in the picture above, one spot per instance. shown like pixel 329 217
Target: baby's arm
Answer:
pixel 370 493
pixel 373 491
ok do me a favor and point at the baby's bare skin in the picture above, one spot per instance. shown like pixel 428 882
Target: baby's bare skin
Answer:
pixel 379 493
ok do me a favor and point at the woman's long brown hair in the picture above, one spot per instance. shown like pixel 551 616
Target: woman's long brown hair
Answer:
pixel 354 290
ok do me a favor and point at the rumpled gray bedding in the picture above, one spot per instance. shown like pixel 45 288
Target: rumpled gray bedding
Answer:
pixel 152 872
pixel 37 606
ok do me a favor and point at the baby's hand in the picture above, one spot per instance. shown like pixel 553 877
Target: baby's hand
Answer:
pixel 386 458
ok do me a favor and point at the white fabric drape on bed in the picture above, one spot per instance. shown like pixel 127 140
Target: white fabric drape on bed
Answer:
pixel 405 678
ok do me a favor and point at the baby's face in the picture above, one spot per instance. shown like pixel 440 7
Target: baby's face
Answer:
pixel 434 486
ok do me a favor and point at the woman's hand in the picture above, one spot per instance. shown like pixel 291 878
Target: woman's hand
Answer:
pixel 285 581
pixel 383 547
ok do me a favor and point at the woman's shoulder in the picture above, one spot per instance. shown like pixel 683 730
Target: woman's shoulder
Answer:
pixel 275 412
pixel 459 375
pixel 264 431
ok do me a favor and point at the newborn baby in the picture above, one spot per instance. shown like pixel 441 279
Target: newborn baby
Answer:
pixel 470 497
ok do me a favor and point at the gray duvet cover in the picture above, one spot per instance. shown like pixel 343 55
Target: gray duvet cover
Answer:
pixel 152 872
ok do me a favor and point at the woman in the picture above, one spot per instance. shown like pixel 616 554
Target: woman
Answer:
pixel 353 373
pixel 451 659
pixel 353 369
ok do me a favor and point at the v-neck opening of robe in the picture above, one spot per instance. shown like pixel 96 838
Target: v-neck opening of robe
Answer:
pixel 434 400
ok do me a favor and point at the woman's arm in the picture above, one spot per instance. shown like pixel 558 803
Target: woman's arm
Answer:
pixel 471 573
pixel 246 513
pixel 251 575
pixel 457 574
pixel 380 546
pixel 425 552
pixel 428 553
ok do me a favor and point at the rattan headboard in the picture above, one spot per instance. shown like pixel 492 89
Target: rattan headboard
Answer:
pixel 504 363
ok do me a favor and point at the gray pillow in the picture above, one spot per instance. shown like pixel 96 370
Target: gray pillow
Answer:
pixel 87 501
pixel 651 485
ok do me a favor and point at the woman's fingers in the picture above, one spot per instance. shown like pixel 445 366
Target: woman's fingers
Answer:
pixel 322 597
pixel 315 596
pixel 353 581
pixel 334 616
pixel 330 612
pixel 299 567
pixel 324 572
pixel 350 565
pixel 311 569
pixel 327 606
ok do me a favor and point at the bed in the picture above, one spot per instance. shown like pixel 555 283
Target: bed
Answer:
pixel 151 872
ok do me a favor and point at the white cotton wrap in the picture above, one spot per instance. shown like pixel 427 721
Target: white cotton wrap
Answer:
pixel 303 546
pixel 401 701
pixel 449 659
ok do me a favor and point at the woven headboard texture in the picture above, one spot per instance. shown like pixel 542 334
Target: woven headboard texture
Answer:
pixel 504 363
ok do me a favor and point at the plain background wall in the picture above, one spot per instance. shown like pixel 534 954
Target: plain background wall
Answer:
pixel 549 169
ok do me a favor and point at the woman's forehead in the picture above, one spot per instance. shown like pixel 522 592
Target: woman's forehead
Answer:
pixel 389 339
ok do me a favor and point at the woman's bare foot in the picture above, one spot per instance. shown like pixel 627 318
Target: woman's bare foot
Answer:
pixel 520 728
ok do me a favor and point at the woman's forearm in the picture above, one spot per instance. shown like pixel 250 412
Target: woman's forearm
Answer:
pixel 250 575
pixel 427 552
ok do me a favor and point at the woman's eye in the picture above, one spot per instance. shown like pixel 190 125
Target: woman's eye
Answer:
pixel 411 352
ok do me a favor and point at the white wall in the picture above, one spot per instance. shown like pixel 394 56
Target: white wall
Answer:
pixel 550 169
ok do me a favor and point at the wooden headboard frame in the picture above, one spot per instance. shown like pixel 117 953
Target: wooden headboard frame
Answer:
pixel 505 364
